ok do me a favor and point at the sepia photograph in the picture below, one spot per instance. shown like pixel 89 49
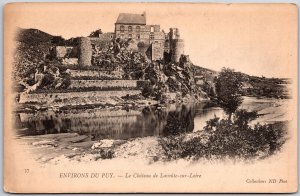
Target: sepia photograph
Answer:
pixel 150 97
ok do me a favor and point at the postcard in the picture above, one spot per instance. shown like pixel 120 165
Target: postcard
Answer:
pixel 150 98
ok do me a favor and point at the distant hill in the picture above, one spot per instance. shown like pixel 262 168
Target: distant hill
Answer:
pixel 204 73
pixel 252 85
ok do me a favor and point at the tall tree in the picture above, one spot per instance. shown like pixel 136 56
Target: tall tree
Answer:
pixel 228 90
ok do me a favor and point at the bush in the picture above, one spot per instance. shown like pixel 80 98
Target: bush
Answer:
pixel 141 44
pixel 147 91
pixel 222 138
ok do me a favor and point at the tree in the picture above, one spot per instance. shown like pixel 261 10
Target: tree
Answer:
pixel 58 40
pixel 96 33
pixel 228 90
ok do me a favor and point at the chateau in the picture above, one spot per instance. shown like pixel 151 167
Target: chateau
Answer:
pixel 135 27
pixel 142 37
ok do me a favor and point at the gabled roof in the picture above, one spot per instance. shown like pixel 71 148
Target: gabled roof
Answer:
pixel 125 18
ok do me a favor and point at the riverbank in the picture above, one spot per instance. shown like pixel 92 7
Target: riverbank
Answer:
pixel 82 147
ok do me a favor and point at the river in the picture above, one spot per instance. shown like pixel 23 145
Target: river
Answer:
pixel 150 121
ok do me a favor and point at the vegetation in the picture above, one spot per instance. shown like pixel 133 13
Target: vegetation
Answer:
pixel 267 87
pixel 228 91
pixel 224 139
pixel 81 89
pixel 96 33
pixel 32 47
pixel 255 86
pixel 228 138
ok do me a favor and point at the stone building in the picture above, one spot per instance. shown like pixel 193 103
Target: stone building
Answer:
pixel 176 44
pixel 148 39
pixel 134 26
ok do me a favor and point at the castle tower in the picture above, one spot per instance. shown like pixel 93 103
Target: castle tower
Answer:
pixel 176 44
pixel 85 52
pixel 177 49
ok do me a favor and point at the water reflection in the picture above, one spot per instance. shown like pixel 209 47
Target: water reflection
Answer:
pixel 117 124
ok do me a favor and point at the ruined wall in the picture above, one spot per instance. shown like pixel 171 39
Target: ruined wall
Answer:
pixel 85 52
pixel 107 36
pixel 156 28
pixel 176 44
pixel 70 61
pixel 157 50
pixel 66 52
pixel 103 41
pixel 157 36
pixel 174 33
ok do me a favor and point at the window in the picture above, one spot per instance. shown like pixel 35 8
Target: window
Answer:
pixel 151 29
pixel 122 36
pixel 122 28
pixel 138 36
pixel 138 28
pixel 151 36
pixel 130 28
pixel 130 35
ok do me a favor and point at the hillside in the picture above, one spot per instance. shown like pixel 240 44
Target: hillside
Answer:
pixel 33 47
pixel 33 37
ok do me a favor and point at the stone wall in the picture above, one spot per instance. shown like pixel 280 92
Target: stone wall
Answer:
pixel 103 84
pixel 107 36
pixel 74 98
pixel 106 84
pixel 86 114
pixel 139 32
pixel 104 41
pixel 96 74
pixel 157 51
pixel 66 52
pixel 70 61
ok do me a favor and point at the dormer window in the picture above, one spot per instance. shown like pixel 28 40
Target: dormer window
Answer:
pixel 129 28
pixel 122 28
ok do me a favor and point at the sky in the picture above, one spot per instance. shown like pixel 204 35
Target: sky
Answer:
pixel 255 39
